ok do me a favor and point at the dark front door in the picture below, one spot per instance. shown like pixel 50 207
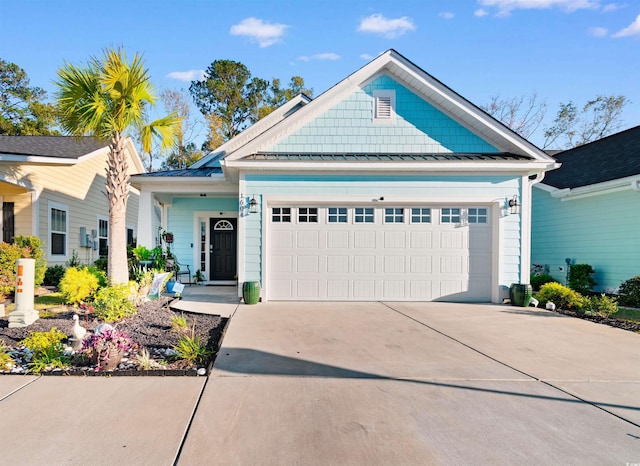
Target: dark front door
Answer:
pixel 8 222
pixel 222 256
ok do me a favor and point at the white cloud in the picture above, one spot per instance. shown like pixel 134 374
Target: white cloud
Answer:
pixel 264 33
pixel 389 28
pixel 506 6
pixel 598 31
pixel 187 76
pixel 366 56
pixel 446 15
pixel 632 30
pixel 608 8
pixel 480 13
pixel 320 56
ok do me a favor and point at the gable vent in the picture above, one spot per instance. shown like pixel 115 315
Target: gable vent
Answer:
pixel 383 107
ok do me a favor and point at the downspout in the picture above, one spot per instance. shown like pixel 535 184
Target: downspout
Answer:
pixel 525 218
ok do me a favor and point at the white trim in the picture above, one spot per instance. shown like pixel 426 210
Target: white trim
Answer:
pixel 206 215
pixel 104 218
pixel 65 208
pixel 606 187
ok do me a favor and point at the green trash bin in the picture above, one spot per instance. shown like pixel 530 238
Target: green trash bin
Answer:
pixel 251 292
pixel 520 294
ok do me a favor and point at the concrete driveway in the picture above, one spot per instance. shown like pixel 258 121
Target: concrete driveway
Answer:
pixel 417 383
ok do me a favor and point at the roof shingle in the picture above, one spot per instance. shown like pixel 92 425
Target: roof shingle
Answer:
pixel 49 146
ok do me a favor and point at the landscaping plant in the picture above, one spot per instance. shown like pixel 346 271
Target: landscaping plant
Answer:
pixel 104 346
pixel 53 275
pixel 47 350
pixel 561 296
pixel 6 360
pixel 179 323
pixel 601 305
pixel 78 285
pixel 33 248
pixel 537 281
pixel 9 254
pixel 629 293
pixel 580 279
pixel 113 303
pixel 191 348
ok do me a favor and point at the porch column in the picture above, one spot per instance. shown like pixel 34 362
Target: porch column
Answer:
pixel 146 235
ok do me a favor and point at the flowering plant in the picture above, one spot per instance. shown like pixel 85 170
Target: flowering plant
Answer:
pixel 106 345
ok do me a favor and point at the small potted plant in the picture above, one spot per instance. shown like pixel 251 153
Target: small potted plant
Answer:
pixel 106 348
pixel 198 277
pixel 167 236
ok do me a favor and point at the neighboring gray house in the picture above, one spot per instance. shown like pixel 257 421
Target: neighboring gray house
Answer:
pixel 588 211
pixel 53 187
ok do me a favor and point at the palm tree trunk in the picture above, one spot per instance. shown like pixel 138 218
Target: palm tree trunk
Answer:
pixel 117 194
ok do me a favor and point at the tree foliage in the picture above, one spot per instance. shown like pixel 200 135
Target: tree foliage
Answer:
pixel 521 114
pixel 23 110
pixel 571 127
pixel 231 99
pixel 106 98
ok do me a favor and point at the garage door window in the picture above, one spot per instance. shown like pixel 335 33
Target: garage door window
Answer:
pixel 281 215
pixel 337 215
pixel 394 215
pixel 363 215
pixel 308 215
pixel 420 215
pixel 477 215
pixel 450 215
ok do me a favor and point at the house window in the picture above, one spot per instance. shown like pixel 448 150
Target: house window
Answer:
pixel 394 215
pixel 307 215
pixel 103 238
pixel 8 222
pixel 477 215
pixel 58 226
pixel 281 214
pixel 337 214
pixel 450 215
pixel 385 105
pixel 363 215
pixel 421 215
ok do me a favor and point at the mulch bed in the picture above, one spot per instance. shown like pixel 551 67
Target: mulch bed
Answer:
pixel 150 328
pixel 617 323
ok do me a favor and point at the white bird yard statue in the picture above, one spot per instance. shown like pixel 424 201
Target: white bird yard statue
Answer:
pixel 78 331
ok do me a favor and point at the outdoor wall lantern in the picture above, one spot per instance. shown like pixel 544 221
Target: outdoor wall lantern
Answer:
pixel 253 205
pixel 513 204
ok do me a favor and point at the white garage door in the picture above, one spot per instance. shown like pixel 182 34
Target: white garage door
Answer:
pixel 379 253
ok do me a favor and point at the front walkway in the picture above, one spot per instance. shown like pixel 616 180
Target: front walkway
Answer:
pixel 217 300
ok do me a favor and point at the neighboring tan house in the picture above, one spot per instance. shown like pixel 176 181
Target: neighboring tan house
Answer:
pixel 588 211
pixel 388 186
pixel 54 187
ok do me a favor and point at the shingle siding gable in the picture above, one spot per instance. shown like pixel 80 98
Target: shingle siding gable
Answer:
pixel 349 127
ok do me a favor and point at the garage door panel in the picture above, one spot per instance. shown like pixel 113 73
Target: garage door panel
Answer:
pixel 379 261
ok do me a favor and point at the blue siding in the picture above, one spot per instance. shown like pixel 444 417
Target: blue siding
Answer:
pixel 600 230
pixel 348 127
pixel 180 223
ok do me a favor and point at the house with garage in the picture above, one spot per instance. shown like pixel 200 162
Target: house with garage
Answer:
pixel 388 186
pixel 54 187
pixel 588 211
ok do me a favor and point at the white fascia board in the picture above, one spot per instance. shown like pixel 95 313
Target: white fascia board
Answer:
pixel 496 167
pixel 35 159
pixel 607 187
pixel 254 130
pixel 180 183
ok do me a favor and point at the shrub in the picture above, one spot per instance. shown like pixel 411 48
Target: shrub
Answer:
pixel 580 279
pixel 561 296
pixel 9 254
pixel 600 305
pixel 101 275
pixel 179 323
pixel 33 248
pixel 53 275
pixel 6 360
pixel 47 349
pixel 538 280
pixel 191 349
pixel 629 293
pixel 113 303
pixel 78 285
pixel 101 264
pixel 74 260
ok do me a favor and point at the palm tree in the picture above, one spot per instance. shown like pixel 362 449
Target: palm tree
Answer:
pixel 104 99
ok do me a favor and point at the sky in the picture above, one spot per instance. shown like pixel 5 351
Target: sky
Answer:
pixel 563 50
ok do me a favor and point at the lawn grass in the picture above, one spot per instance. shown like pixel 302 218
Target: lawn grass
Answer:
pixel 627 313
pixel 43 302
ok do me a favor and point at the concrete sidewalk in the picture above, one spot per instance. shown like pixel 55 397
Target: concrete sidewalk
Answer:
pixel 354 384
